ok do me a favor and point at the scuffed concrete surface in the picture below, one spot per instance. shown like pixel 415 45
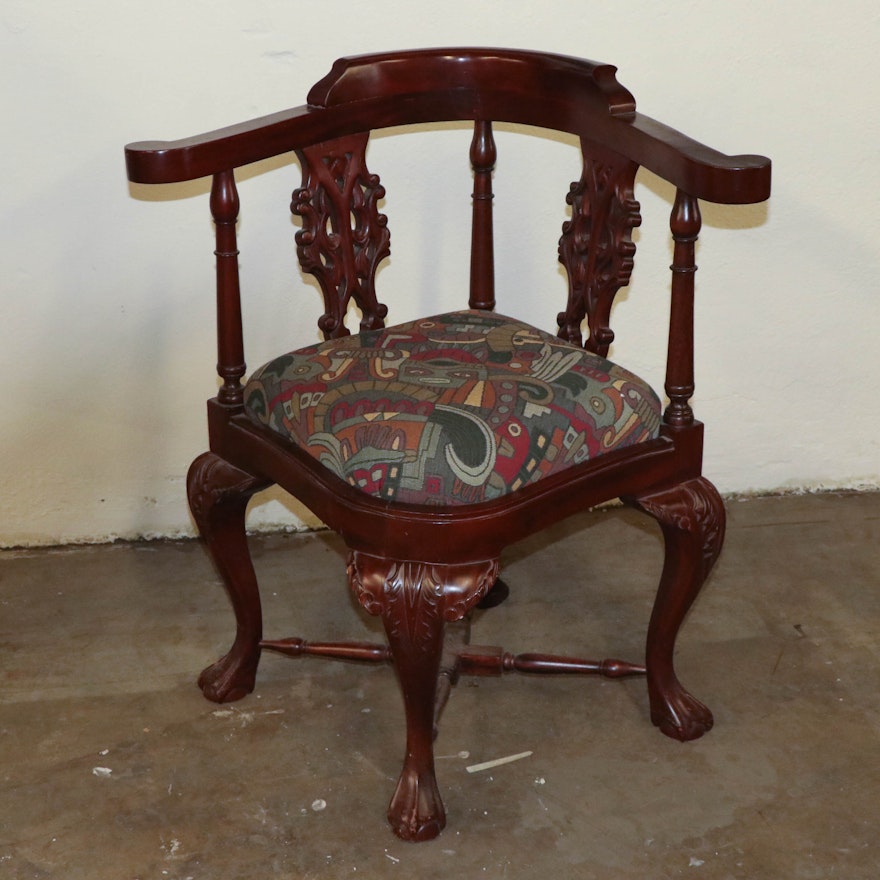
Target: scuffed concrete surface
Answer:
pixel 114 766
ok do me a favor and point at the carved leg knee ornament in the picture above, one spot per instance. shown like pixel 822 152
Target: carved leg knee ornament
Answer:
pixel 415 600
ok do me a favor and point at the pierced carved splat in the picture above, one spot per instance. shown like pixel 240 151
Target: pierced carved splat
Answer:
pixel 343 237
pixel 596 246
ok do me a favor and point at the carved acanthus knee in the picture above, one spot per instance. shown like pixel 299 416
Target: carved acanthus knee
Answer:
pixel 694 508
pixel 406 590
pixel 213 484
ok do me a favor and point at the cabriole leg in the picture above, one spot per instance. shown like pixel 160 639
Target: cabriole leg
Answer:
pixel 218 496
pixel 692 519
pixel 415 600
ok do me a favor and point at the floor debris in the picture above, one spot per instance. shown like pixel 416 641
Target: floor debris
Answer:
pixel 488 765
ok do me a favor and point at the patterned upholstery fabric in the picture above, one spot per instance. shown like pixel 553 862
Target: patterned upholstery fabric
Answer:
pixel 455 409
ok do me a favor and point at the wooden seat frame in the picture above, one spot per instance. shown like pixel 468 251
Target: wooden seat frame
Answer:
pixel 417 567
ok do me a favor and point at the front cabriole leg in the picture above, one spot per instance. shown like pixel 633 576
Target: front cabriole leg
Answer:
pixel 218 496
pixel 415 600
pixel 691 516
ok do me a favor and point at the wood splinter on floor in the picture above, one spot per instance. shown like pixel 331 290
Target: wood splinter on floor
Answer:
pixel 488 765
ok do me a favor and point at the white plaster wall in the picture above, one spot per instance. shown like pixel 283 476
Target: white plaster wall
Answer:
pixel 107 335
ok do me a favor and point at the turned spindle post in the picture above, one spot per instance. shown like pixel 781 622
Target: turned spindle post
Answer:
pixel 483 155
pixel 230 343
pixel 685 224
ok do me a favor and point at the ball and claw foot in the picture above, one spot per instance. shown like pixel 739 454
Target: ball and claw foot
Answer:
pixel 680 715
pixel 416 812
pixel 230 678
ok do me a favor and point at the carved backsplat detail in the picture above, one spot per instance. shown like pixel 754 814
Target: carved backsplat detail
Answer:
pixel 343 237
pixel 596 246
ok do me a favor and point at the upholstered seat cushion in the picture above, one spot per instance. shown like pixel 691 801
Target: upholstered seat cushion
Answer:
pixel 454 409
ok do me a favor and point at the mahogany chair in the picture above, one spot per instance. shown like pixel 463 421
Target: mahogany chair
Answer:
pixel 431 446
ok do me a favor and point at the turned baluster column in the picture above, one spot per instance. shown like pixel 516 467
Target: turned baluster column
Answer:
pixel 483 155
pixel 230 344
pixel 685 224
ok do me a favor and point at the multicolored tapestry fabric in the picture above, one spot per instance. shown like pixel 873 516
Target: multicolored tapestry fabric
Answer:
pixel 455 409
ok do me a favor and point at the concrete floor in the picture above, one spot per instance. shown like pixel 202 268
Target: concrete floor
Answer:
pixel 114 766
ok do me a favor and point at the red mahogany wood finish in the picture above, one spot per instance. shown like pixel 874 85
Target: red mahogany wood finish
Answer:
pixel 422 569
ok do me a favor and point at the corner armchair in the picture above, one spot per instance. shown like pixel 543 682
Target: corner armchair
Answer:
pixel 431 446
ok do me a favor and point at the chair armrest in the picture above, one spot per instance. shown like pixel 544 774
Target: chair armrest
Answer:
pixel 692 166
pixel 224 148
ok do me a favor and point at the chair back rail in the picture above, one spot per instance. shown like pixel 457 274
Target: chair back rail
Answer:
pixel 584 99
